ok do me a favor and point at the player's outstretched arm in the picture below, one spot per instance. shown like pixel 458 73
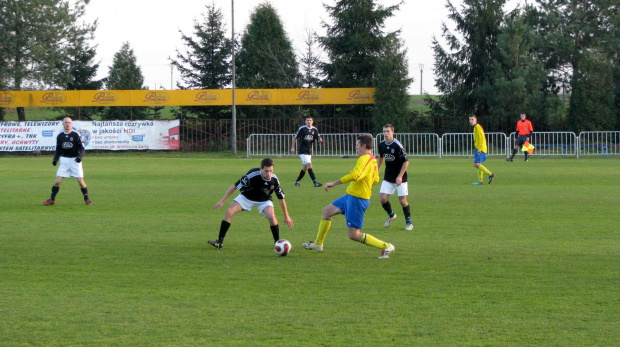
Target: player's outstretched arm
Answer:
pixel 220 203
pixel 287 219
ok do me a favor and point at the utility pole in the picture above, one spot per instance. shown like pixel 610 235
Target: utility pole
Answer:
pixel 233 136
pixel 421 71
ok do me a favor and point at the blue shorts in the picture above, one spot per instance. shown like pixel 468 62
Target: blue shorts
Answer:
pixel 479 158
pixel 353 209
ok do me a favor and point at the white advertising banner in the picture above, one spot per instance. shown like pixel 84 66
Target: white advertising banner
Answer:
pixel 112 135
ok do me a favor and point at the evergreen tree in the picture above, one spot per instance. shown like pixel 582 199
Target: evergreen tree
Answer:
pixel 577 36
pixel 78 72
pixel 311 73
pixel 353 44
pixel 518 81
pixel 33 41
pixel 207 61
pixel 125 74
pixel 266 60
pixel 391 98
pixel 465 67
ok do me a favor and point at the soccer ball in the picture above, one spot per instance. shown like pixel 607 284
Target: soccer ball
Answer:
pixel 282 247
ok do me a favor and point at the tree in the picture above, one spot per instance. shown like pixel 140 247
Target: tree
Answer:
pixel 310 62
pixel 125 74
pixel 463 68
pixel 207 61
pixel 353 44
pixel 519 82
pixel 34 39
pixel 391 83
pixel 266 59
pixel 78 72
pixel 577 36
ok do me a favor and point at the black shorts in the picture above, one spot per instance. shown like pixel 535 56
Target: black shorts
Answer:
pixel 521 140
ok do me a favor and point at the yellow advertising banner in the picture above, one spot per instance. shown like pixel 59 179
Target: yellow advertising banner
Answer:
pixel 205 97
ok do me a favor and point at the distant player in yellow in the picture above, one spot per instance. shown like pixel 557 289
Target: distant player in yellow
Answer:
pixel 353 205
pixel 480 151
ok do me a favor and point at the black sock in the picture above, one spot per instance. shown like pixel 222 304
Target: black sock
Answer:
pixel 311 173
pixel 514 152
pixel 302 173
pixel 85 192
pixel 223 230
pixel 54 192
pixel 275 231
pixel 388 208
pixel 407 213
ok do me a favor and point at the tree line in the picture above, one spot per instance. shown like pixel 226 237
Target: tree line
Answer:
pixel 556 60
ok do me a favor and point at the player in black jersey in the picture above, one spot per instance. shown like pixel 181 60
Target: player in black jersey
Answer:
pixel 255 189
pixel 70 151
pixel 305 136
pixel 396 163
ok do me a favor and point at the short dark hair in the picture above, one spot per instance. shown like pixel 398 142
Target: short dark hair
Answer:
pixel 267 162
pixel 389 126
pixel 365 140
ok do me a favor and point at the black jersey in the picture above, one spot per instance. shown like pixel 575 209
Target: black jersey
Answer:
pixel 395 156
pixel 69 145
pixel 254 187
pixel 305 137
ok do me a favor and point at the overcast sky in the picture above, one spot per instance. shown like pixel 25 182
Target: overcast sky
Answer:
pixel 152 30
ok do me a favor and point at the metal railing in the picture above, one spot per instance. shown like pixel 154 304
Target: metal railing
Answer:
pixel 563 144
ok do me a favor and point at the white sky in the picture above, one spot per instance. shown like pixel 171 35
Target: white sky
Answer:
pixel 152 30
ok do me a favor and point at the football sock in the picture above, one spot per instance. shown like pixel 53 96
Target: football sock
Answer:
pixel 480 174
pixel 323 229
pixel 407 214
pixel 388 208
pixel 514 152
pixel 372 241
pixel 85 192
pixel 311 173
pixel 54 192
pixel 302 173
pixel 223 230
pixel 485 170
pixel 275 231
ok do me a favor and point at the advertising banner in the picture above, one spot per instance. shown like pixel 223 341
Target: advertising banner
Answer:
pixel 99 135
pixel 207 97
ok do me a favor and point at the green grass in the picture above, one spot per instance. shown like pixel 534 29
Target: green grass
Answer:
pixel 532 259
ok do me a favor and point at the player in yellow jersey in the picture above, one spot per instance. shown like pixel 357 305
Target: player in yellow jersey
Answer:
pixel 353 205
pixel 480 151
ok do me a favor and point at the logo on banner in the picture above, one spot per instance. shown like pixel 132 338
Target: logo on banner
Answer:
pixel 53 98
pixel 310 96
pixel 360 96
pixel 6 99
pixel 137 138
pixel 156 98
pixel 47 133
pixel 105 98
pixel 258 97
pixel 208 97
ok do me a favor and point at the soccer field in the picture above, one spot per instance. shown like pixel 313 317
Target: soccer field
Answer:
pixel 532 259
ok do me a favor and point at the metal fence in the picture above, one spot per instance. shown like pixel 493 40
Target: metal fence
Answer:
pixel 334 145
pixel 601 143
pixel 563 144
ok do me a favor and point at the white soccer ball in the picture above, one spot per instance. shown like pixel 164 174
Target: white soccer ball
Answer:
pixel 282 247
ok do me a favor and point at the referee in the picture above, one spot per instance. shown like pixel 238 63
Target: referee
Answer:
pixel 70 151
pixel 524 130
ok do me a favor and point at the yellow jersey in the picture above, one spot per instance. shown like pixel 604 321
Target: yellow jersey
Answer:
pixel 364 175
pixel 480 141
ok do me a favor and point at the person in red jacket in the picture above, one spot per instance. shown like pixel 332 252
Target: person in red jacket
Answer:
pixel 524 131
